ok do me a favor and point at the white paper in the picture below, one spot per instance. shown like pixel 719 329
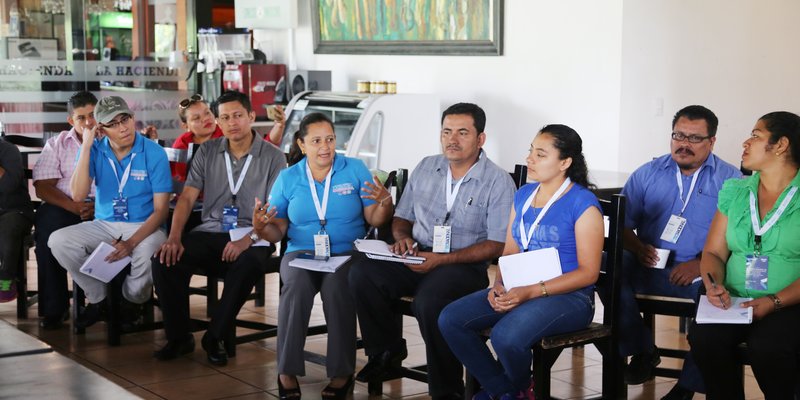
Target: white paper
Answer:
pixel 333 264
pixel 523 269
pixel 239 233
pixel 708 313
pixel 373 247
pixel 379 250
pixel 97 267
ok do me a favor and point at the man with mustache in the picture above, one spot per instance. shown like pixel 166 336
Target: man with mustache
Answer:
pixel 454 212
pixel 670 203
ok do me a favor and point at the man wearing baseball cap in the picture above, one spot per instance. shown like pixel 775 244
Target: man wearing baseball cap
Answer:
pixel 133 185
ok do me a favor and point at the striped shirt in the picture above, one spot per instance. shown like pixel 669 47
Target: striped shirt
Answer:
pixel 58 159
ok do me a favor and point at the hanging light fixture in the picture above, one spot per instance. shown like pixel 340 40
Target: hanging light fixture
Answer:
pixel 53 6
pixel 123 5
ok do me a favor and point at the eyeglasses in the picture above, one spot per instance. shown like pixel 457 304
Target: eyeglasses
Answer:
pixel 679 137
pixel 115 123
pixel 186 103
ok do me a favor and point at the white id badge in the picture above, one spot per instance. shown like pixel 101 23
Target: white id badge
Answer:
pixel 673 229
pixel 322 245
pixel 441 238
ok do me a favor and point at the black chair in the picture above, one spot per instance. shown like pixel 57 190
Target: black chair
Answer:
pixel 26 298
pixel 684 309
pixel 603 335
pixel 114 300
pixel 403 305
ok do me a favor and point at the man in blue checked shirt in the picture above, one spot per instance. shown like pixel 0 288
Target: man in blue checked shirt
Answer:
pixel 454 212
pixel 670 203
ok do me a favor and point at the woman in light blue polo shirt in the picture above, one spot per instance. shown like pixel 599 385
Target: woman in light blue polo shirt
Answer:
pixel 321 201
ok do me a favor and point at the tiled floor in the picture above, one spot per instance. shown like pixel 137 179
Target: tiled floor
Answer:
pixel 252 373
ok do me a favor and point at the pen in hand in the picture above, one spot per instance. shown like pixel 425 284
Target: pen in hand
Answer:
pixel 118 240
pixel 413 247
pixel 714 285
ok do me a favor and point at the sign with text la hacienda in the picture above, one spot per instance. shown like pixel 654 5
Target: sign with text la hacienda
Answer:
pixel 78 71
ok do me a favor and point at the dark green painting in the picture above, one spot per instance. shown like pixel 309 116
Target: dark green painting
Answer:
pixel 459 27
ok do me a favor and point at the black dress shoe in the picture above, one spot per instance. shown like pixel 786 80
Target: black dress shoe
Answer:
pixel 92 313
pixel 132 318
pixel 215 350
pixel 640 369
pixel 679 393
pixel 175 348
pixel 379 366
pixel 54 322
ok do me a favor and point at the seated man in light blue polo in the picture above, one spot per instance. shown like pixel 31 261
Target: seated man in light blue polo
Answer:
pixel 670 203
pixel 133 185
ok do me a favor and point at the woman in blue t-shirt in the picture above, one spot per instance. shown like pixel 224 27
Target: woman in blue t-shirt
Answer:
pixel 558 212
pixel 321 201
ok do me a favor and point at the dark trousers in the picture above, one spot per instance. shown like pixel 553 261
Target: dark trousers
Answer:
pixel 378 285
pixel 204 250
pixel 53 290
pixel 13 228
pixel 773 345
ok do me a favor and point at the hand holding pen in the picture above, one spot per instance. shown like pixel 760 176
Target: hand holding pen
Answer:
pixel 412 250
pixel 123 249
pixel 404 247
pixel 717 293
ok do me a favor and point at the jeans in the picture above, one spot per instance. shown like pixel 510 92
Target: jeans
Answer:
pixel 376 286
pixel 513 334
pixel 635 336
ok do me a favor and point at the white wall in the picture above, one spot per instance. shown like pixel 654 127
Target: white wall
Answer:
pixel 737 57
pixel 561 64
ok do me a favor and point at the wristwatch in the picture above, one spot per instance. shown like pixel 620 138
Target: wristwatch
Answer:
pixel 254 237
pixel 776 300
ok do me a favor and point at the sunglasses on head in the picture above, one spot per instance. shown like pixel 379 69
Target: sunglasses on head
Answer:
pixel 186 103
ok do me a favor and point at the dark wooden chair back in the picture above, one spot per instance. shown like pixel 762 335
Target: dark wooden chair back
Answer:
pixel 603 335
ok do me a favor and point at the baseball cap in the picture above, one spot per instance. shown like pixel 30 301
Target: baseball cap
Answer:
pixel 109 107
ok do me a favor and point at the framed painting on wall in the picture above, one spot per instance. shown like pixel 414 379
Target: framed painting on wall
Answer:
pixel 405 27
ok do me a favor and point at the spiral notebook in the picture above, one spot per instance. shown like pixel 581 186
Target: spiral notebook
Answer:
pixel 379 250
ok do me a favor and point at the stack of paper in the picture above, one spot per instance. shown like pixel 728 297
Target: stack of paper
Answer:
pixel 331 265
pixel 379 250
pixel 523 269
pixel 708 313
pixel 97 267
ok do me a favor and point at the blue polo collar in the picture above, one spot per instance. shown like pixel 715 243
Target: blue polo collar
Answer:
pixel 138 146
pixel 339 162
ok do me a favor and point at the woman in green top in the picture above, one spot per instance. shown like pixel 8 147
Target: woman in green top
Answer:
pixel 753 248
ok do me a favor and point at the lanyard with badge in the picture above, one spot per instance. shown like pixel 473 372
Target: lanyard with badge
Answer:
pixel 672 232
pixel 756 263
pixel 442 234
pixel 230 213
pixel 322 243
pixel 120 203
pixel 525 237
